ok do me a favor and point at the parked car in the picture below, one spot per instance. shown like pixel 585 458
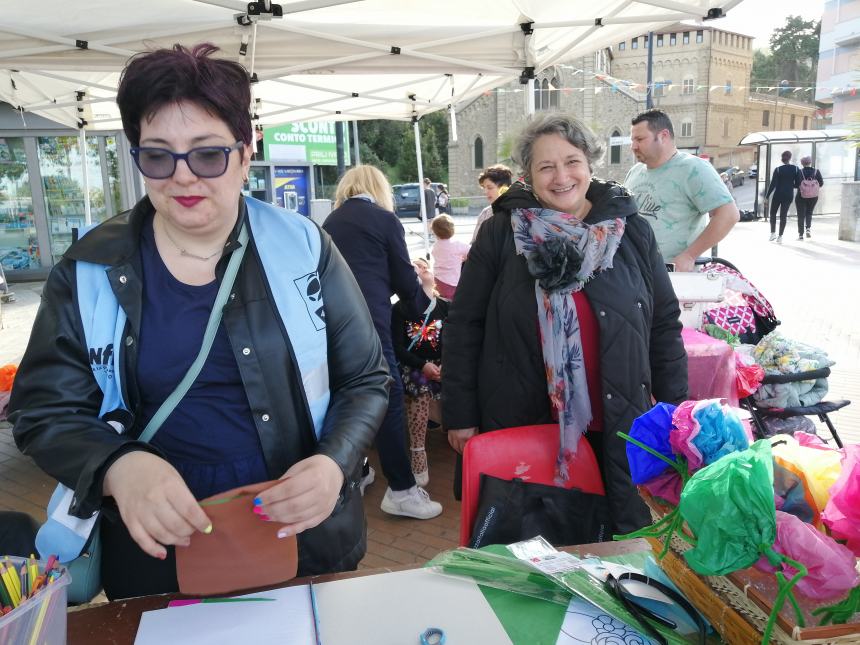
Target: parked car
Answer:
pixel 752 173
pixel 736 175
pixel 406 196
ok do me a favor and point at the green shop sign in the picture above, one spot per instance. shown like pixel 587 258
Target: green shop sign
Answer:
pixel 312 141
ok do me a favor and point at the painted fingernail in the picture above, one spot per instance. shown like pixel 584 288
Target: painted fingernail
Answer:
pixel 208 529
pixel 258 510
pixel 264 517
pixel 283 533
pixel 258 501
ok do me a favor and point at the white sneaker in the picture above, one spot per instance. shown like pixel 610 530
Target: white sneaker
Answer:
pixel 779 240
pixel 413 502
pixel 772 237
pixel 367 480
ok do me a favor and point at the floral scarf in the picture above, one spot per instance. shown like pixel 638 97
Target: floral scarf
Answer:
pixel 562 254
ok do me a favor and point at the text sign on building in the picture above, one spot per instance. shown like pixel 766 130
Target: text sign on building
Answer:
pixel 619 141
pixel 312 141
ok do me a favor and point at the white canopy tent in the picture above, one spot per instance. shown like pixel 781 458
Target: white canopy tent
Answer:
pixel 322 59
pixel 314 59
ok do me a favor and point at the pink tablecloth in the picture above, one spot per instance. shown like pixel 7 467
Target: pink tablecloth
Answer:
pixel 710 367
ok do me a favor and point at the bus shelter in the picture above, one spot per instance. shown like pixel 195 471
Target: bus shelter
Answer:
pixel 831 154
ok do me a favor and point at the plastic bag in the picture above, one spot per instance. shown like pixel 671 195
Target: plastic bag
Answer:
pixel 652 429
pixel 830 564
pixel 730 509
pixel 7 377
pixel 842 512
pixel 704 431
pixel 749 377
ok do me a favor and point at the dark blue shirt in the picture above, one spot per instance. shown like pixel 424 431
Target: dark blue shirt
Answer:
pixel 210 437
pixel 373 243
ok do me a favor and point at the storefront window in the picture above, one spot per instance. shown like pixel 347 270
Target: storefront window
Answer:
pixel 19 248
pixel 63 179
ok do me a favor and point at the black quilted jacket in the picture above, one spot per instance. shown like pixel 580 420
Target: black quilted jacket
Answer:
pixel 492 363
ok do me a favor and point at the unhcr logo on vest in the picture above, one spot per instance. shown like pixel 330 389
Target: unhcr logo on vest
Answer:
pixel 311 289
pixel 101 359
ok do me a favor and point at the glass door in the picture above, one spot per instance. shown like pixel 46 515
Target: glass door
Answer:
pixel 19 247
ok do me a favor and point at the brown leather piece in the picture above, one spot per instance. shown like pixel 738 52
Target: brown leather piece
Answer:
pixel 242 552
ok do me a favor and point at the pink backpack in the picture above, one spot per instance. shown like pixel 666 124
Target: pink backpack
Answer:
pixel 808 185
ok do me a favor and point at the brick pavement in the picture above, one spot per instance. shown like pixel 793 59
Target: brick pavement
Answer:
pixel 812 285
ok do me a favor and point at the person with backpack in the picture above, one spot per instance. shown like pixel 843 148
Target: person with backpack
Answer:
pixel 785 179
pixel 807 196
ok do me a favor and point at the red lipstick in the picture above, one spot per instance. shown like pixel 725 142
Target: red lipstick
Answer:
pixel 188 202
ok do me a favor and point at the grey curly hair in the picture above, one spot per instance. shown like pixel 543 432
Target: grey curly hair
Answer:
pixel 568 126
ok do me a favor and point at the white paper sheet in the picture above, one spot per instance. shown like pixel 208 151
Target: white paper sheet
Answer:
pixel 288 619
pixel 394 608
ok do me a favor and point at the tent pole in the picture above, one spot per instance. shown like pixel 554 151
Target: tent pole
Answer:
pixel 356 160
pixel 421 201
pixel 88 215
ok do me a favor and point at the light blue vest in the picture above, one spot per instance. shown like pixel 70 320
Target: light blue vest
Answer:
pixel 289 248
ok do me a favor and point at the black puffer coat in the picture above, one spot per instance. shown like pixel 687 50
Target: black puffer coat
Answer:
pixel 493 367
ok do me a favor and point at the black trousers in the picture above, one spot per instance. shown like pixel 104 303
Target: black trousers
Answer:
pixel 781 204
pixel 805 206
pixel 391 438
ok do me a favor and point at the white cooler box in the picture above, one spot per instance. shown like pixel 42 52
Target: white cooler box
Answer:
pixel 694 291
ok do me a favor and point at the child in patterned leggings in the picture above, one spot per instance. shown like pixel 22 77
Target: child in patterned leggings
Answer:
pixel 418 347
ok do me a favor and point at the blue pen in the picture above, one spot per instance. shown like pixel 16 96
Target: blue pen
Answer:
pixel 315 612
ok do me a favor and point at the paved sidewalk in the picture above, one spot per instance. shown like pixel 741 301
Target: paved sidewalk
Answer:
pixel 812 285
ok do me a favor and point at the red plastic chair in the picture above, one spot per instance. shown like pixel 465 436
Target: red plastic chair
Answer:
pixel 527 452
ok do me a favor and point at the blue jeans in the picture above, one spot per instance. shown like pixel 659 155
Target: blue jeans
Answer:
pixel 391 438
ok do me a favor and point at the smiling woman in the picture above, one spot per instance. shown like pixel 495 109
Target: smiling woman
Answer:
pixel 554 305
pixel 297 415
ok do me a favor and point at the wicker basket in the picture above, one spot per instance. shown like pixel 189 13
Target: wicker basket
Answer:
pixel 738 605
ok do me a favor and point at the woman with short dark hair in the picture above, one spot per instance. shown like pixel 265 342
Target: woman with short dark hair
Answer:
pixel 293 387
pixel 564 312
pixel 785 179
pixel 494 181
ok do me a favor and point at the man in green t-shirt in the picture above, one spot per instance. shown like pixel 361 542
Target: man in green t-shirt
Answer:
pixel 675 191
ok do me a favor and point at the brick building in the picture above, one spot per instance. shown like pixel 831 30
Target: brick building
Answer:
pixel 700 77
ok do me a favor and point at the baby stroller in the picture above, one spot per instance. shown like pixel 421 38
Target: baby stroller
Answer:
pixel 784 397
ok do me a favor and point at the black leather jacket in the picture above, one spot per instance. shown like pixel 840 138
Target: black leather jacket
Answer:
pixel 55 400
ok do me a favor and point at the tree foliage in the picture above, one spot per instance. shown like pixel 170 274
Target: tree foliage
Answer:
pixel 390 145
pixel 792 56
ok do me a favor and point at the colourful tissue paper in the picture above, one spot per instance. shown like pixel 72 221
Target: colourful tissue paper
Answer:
pixel 729 508
pixel 652 429
pixel 842 513
pixel 830 565
pixel 705 431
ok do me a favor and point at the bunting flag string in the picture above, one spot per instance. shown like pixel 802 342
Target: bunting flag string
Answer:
pixel 617 84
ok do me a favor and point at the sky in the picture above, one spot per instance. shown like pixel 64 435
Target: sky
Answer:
pixel 758 18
